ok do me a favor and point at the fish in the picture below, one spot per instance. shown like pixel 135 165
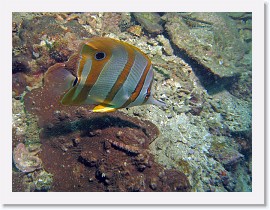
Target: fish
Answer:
pixel 109 74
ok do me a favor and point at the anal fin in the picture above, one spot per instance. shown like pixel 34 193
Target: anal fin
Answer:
pixel 101 108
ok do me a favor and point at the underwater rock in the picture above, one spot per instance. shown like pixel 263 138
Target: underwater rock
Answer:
pixel 174 183
pixel 24 160
pixel 110 149
pixel 36 181
pixel 32 30
pixel 111 22
pixel 108 158
pixel 19 122
pixel 235 113
pixel 240 15
pixel 150 21
pixel 183 145
pixel 242 89
pixel 19 83
pixel 42 181
pixel 37 46
pixel 166 44
pixel 208 39
pixel 244 140
pixel 20 63
pixel 229 157
pixel 96 164
pixel 135 30
pixel 17 182
pixel 225 154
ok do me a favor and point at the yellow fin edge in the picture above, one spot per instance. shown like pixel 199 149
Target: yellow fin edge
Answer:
pixel 101 108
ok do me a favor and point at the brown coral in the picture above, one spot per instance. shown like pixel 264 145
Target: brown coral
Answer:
pixel 88 151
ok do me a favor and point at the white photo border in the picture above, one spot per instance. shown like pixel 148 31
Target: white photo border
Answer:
pixel 257 196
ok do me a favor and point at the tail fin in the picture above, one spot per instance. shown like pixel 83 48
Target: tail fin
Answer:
pixel 152 100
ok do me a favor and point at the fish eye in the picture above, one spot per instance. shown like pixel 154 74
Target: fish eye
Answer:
pixel 100 55
pixel 75 82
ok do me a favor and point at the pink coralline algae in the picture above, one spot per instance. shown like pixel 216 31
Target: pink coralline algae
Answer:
pixel 25 160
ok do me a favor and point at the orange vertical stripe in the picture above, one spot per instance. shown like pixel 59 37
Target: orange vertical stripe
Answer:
pixel 139 87
pixel 97 66
pixel 122 77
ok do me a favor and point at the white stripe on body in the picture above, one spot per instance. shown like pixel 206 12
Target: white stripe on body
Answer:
pixel 140 99
pixel 108 76
pixel 132 80
pixel 85 72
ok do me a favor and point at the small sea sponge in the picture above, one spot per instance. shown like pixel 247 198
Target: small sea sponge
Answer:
pixel 24 160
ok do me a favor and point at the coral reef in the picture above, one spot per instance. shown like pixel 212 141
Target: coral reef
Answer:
pixel 208 39
pixel 45 46
pixel 104 158
pixel 202 64
pixel 24 160
pixel 98 152
pixel 149 21
pixel 225 153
